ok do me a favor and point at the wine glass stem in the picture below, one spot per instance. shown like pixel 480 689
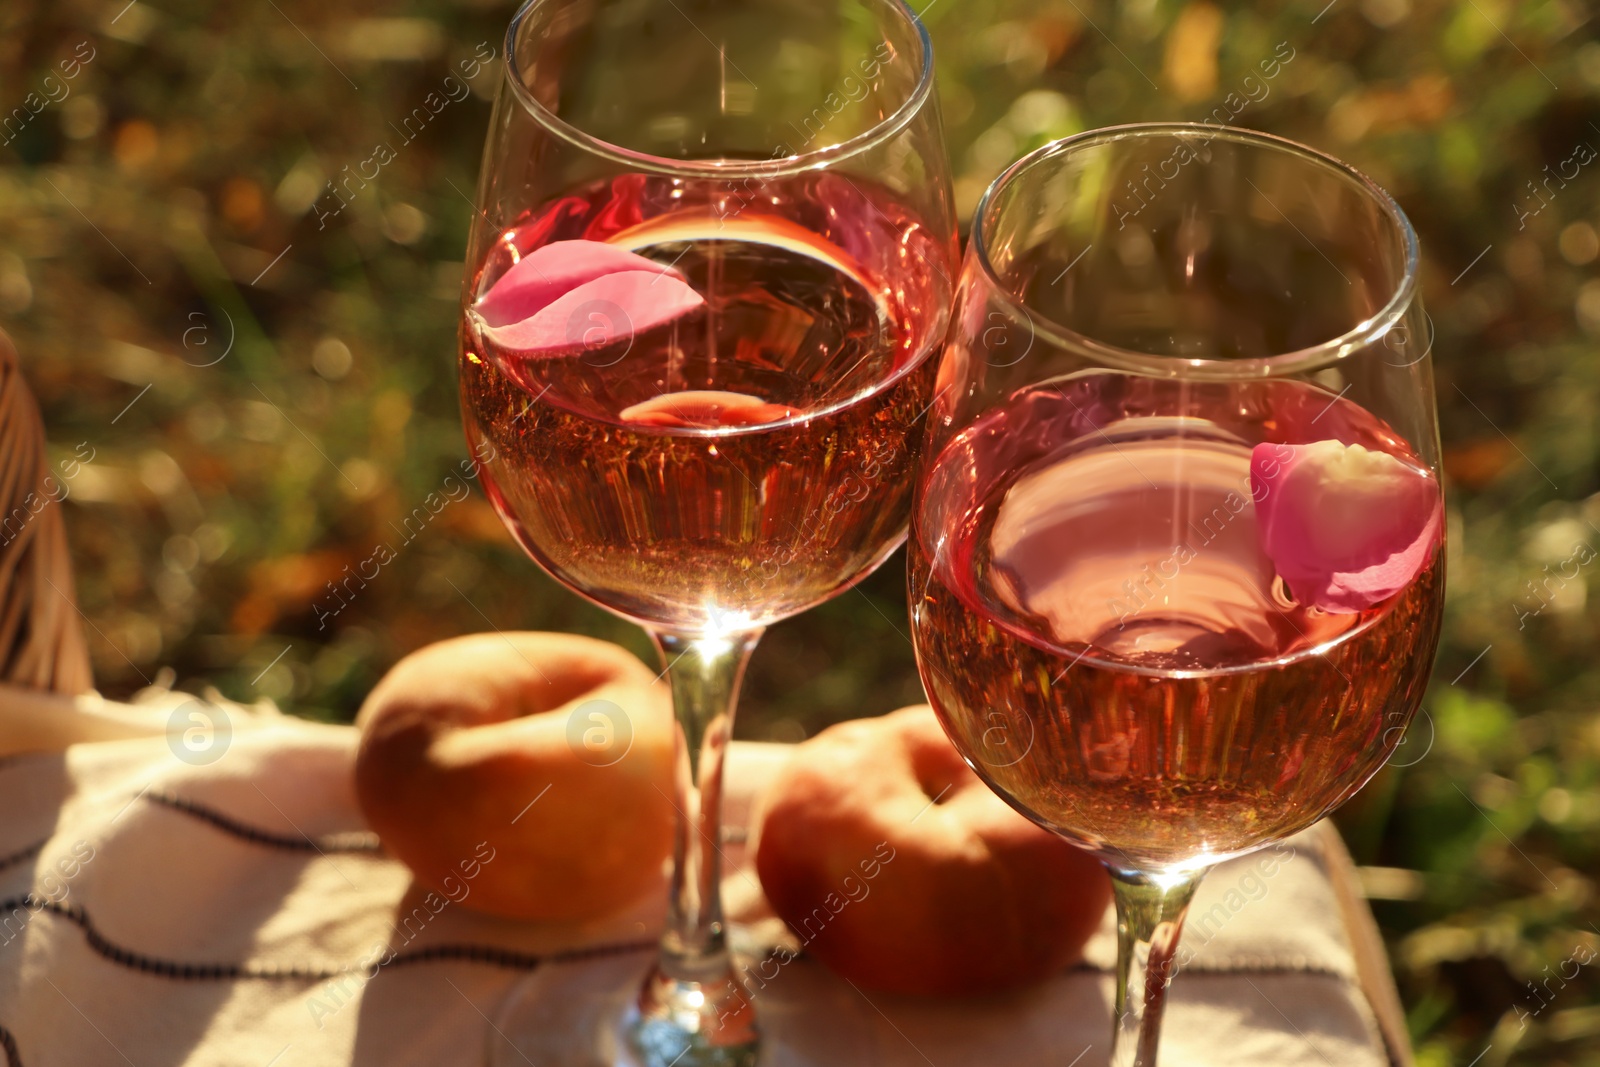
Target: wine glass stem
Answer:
pixel 704 673
pixel 1150 911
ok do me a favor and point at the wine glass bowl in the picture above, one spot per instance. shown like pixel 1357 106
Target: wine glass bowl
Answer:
pixel 1177 554
pixel 821 240
pixel 713 252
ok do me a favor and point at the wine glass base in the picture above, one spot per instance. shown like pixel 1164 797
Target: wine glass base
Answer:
pixel 586 1015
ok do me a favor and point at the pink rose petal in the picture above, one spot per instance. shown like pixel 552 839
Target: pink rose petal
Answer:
pixel 553 269
pixel 601 312
pixel 571 295
pixel 1345 527
pixel 705 408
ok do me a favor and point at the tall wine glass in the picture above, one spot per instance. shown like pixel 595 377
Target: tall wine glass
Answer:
pixel 741 457
pixel 1185 411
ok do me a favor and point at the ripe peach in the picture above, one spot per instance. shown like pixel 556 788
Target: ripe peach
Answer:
pixel 900 870
pixel 550 754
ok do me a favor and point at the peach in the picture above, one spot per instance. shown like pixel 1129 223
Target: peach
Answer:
pixel 901 871
pixel 550 754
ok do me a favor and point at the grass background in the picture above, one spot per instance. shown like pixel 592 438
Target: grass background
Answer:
pixel 161 206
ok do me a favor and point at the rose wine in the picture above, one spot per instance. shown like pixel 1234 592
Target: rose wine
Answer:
pixel 1106 642
pixel 749 459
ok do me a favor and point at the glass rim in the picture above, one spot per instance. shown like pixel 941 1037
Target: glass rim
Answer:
pixel 725 167
pixel 1316 357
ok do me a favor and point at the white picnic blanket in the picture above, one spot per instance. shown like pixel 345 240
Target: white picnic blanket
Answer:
pixel 161 912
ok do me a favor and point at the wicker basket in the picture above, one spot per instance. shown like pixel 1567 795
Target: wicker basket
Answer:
pixel 41 633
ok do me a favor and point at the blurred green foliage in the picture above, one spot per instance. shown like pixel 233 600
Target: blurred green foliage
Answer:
pixel 160 207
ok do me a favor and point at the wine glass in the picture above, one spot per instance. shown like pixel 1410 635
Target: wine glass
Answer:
pixel 1176 554
pixel 713 252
